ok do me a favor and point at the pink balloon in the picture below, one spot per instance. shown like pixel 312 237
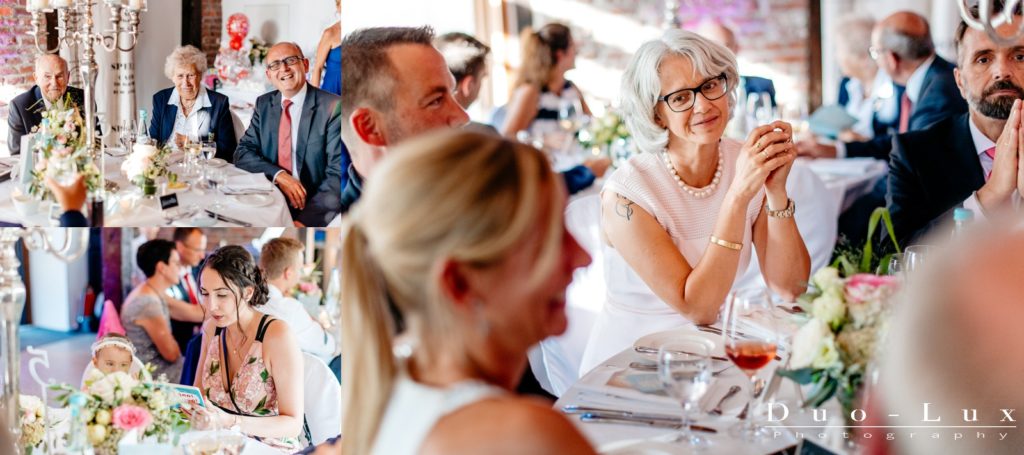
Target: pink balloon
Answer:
pixel 238 26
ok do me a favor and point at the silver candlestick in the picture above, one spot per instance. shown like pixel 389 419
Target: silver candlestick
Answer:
pixel 988 20
pixel 75 28
pixel 12 303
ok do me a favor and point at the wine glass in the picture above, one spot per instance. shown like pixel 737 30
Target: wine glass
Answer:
pixel 915 256
pixel 896 264
pixel 684 368
pixel 209 150
pixel 215 180
pixel 751 338
pixel 759 105
pixel 127 135
pixel 569 111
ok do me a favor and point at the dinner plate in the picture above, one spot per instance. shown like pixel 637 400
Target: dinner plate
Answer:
pixel 200 220
pixel 641 447
pixel 217 162
pixel 657 339
pixel 254 199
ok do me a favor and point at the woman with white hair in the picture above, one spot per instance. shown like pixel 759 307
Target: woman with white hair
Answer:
pixel 680 219
pixel 188 111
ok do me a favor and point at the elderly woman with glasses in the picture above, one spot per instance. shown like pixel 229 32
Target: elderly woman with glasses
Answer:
pixel 682 218
pixel 188 111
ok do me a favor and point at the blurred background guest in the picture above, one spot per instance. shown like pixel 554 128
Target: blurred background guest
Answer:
pixel 146 316
pixel 188 112
pixel 718 32
pixel 190 243
pixel 326 71
pixel 866 93
pixel 469 325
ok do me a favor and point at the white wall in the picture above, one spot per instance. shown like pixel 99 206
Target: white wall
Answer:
pixel 301 21
pixel 57 287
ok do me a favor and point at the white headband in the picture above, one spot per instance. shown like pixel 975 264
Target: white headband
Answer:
pixel 106 342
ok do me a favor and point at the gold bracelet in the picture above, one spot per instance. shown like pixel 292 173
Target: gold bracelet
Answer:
pixel 729 245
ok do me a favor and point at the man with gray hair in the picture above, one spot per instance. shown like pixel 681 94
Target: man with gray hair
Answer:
pixel 394 85
pixel 26 110
pixel 902 46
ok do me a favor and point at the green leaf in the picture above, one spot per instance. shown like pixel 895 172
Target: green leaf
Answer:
pixel 800 376
pixel 214 367
pixel 261 404
pixel 264 375
pixel 822 392
pixel 252 360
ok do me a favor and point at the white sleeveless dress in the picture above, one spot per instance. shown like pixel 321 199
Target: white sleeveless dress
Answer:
pixel 631 309
pixel 414 410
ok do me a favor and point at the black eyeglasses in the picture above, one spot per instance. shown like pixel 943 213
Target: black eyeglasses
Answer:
pixel 682 100
pixel 290 61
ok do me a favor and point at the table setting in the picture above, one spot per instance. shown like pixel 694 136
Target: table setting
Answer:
pixel 208 191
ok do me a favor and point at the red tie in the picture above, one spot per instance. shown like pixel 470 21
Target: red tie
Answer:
pixel 284 139
pixel 991 152
pixel 191 293
pixel 905 107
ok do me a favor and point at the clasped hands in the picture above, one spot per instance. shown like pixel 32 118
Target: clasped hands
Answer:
pixel 1007 173
pixel 765 160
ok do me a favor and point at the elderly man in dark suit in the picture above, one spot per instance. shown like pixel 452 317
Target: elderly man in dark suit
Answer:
pixel 51 77
pixel 295 139
pixel 971 159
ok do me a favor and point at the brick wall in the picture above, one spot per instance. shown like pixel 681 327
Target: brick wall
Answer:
pixel 17 48
pixel 213 23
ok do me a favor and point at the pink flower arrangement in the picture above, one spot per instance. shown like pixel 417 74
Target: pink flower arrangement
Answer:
pixel 128 417
pixel 307 287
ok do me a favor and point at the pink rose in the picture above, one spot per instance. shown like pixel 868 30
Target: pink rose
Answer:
pixel 866 287
pixel 127 417
pixel 69 127
pixel 307 287
pixel 62 139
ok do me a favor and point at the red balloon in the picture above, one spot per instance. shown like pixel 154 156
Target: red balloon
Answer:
pixel 238 27
pixel 236 42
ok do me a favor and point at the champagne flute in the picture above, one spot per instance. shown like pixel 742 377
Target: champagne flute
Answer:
pixel 684 368
pixel 751 338
pixel 127 135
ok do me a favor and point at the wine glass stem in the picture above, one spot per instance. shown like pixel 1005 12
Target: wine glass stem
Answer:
pixel 686 431
pixel 749 418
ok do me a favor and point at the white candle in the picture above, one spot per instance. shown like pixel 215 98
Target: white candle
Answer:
pixel 36 5
pixel 136 4
pixel 60 3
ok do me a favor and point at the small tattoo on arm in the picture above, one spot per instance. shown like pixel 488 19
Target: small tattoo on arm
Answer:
pixel 624 208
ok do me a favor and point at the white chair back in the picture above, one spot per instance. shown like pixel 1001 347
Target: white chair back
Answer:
pixel 322 399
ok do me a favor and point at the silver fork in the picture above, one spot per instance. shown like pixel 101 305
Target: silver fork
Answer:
pixel 718 408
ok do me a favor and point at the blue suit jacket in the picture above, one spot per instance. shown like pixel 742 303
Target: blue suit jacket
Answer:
pixel 317 155
pixel 754 84
pixel 939 99
pixel 162 125
pixel 26 111
pixel 880 127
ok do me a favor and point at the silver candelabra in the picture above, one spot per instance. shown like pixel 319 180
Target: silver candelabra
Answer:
pixel 988 20
pixel 12 303
pixel 75 28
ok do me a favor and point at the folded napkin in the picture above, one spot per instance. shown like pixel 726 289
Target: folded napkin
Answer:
pixel 844 166
pixel 248 182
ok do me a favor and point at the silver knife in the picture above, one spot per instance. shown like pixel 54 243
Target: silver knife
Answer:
pixel 218 216
pixel 591 417
pixel 650 350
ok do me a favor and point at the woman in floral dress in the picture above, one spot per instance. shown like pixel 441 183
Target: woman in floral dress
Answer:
pixel 248 358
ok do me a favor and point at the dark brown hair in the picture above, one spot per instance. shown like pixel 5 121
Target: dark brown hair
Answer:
pixel 236 266
pixel 540 53
pixel 367 74
pixel 465 55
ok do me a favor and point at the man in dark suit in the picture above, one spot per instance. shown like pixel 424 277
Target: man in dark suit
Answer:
pixel 903 48
pixel 971 158
pixel 51 77
pixel 295 139
pixel 190 243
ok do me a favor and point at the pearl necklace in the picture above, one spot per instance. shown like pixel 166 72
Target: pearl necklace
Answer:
pixel 699 193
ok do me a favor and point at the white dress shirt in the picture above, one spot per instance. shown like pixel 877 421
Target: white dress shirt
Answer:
pixel 982 143
pixel 311 336
pixel 197 123
pixel 296 114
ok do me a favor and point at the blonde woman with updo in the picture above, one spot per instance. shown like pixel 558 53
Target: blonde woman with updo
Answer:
pixel 461 237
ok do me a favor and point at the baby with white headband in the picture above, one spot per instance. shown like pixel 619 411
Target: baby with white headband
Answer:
pixel 112 353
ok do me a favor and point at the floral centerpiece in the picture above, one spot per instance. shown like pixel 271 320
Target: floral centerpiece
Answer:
pixel 308 291
pixel 33 427
pixel 608 135
pixel 145 165
pixel 848 305
pixel 117 403
pixel 258 52
pixel 61 148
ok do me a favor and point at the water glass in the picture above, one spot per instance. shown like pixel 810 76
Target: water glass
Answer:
pixel 896 264
pixel 215 180
pixel 914 257
pixel 684 368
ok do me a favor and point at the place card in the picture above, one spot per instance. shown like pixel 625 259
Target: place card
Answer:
pixel 169 201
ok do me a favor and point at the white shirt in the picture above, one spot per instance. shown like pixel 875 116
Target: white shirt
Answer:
pixel 197 123
pixel 866 108
pixel 916 80
pixel 296 114
pixel 311 336
pixel 982 143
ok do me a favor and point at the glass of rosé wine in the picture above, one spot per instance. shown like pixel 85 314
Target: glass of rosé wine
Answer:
pixel 751 339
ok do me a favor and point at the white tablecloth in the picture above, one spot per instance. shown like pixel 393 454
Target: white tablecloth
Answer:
pixel 148 213
pixel 592 390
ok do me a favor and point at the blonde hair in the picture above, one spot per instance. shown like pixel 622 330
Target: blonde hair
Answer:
pixel 641 83
pixel 185 56
pixel 539 51
pixel 456 196
pixel 279 254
